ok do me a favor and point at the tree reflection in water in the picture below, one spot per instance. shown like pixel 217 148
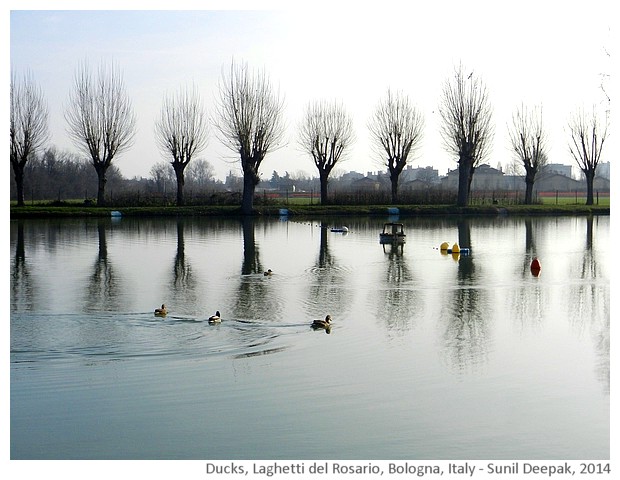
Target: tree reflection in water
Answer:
pixel 22 286
pixel 466 333
pixel 256 296
pixel 398 299
pixel 592 302
pixel 102 290
pixel 327 279
pixel 183 281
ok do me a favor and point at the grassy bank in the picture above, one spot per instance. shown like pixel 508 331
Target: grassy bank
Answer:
pixel 46 211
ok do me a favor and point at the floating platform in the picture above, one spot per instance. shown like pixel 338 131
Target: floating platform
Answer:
pixel 393 233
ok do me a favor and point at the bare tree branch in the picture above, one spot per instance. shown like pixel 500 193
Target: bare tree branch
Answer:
pixel 28 126
pixel 325 133
pixel 396 128
pixel 100 118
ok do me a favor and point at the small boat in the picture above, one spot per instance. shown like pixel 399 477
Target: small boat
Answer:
pixel 392 233
pixel 342 229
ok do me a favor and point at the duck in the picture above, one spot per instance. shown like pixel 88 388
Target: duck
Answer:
pixel 327 323
pixel 268 272
pixel 161 312
pixel 215 318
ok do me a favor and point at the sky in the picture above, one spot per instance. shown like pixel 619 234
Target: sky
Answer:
pixel 529 52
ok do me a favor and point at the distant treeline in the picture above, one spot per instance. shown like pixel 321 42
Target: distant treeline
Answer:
pixel 61 176
pixel 58 177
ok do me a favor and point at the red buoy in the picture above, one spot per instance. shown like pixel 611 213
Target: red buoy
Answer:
pixel 535 267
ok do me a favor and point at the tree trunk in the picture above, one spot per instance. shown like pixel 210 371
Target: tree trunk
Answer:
pixel 324 182
pixel 465 177
pixel 529 191
pixel 530 177
pixel 179 171
pixel 19 184
pixel 101 181
pixel 590 186
pixel 394 180
pixel 247 201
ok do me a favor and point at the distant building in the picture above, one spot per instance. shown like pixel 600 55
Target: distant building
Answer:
pixel 485 178
pixel 366 184
pixel 551 182
pixel 416 185
pixel 556 168
pixel 350 177
pixel 601 183
pixel 603 170
pixel 514 183
pixel 427 175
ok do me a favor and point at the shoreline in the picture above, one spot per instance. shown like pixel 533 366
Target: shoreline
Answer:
pixel 313 210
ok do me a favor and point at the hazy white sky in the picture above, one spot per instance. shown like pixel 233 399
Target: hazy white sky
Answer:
pixel 537 52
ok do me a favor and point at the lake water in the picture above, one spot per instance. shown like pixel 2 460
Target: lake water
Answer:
pixel 430 356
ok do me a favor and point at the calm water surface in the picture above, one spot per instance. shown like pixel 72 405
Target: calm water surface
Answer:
pixel 431 356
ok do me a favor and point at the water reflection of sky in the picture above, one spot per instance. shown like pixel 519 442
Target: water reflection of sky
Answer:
pixel 447 343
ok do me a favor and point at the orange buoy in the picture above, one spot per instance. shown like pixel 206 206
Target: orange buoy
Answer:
pixel 535 267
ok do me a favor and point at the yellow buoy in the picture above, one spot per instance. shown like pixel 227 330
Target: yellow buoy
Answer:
pixel 444 246
pixel 455 248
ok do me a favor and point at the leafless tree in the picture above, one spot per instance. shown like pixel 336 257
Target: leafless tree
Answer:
pixel 528 140
pixel 396 128
pixel 182 131
pixel 200 172
pixel 100 118
pixel 28 128
pixel 249 120
pixel 587 136
pixel 466 127
pixel 325 133
pixel 161 174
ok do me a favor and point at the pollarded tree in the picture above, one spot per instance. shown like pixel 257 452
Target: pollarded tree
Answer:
pixel 249 120
pixel 182 131
pixel 396 128
pixel 28 127
pixel 587 135
pixel 466 127
pixel 325 133
pixel 100 118
pixel 528 140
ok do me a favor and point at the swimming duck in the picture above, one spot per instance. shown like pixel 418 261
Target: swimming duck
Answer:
pixel 161 312
pixel 268 272
pixel 322 323
pixel 215 318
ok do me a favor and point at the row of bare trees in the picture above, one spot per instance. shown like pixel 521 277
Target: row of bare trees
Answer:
pixel 249 120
